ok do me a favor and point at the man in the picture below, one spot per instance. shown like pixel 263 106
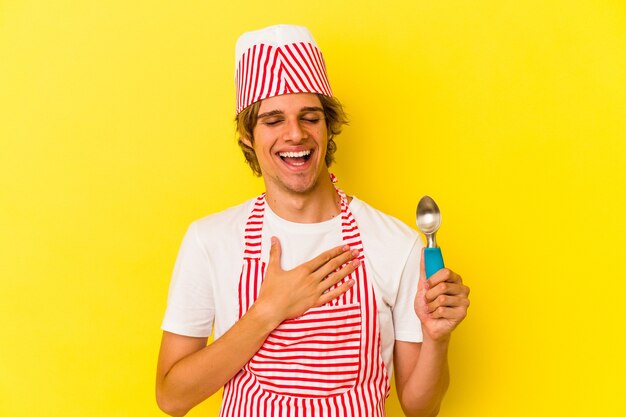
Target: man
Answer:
pixel 314 296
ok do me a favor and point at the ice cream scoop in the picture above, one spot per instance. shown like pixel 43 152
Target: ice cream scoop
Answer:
pixel 428 219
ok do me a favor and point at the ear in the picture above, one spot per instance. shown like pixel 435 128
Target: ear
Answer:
pixel 246 141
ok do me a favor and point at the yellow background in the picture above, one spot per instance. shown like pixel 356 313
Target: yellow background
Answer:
pixel 116 132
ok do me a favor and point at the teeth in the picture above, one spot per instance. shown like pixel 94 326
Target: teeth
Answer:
pixel 294 154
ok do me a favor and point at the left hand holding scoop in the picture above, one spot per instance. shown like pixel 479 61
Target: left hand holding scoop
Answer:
pixel 441 302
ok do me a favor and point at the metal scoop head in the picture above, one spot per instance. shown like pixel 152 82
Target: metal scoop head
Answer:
pixel 428 219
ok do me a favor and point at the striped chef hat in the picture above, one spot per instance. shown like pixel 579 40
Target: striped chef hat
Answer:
pixel 276 60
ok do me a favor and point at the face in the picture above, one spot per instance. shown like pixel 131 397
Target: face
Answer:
pixel 290 140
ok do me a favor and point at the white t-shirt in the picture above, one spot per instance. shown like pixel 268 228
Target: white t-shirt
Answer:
pixel 204 289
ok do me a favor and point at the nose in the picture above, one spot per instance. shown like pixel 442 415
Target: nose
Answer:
pixel 294 131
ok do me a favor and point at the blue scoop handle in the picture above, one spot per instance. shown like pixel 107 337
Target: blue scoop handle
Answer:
pixel 433 261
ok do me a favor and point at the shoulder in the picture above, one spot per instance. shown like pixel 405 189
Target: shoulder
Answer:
pixel 388 242
pixel 381 225
pixel 217 230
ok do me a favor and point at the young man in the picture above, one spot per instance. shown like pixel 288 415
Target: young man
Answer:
pixel 314 296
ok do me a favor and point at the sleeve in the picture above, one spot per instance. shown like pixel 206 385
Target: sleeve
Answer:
pixel 407 326
pixel 190 305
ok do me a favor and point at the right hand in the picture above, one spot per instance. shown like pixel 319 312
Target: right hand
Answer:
pixel 288 294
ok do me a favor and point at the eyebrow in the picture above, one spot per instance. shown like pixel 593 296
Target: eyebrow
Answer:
pixel 310 109
pixel 302 110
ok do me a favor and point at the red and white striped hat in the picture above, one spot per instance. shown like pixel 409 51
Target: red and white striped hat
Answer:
pixel 281 59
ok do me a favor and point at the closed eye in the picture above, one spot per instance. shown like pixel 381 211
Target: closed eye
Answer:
pixel 272 122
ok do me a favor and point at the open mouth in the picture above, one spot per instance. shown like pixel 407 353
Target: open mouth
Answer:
pixel 295 159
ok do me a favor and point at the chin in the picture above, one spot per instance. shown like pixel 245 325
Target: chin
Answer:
pixel 300 185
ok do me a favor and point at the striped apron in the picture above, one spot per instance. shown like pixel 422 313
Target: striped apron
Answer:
pixel 326 362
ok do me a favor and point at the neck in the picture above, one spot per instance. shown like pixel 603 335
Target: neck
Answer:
pixel 314 206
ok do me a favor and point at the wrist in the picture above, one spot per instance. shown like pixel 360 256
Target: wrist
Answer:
pixel 439 342
pixel 264 316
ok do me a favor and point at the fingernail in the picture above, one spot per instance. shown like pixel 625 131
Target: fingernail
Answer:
pixel 345 247
pixel 355 253
pixel 273 241
pixel 356 262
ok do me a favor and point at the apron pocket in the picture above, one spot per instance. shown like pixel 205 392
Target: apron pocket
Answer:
pixel 314 355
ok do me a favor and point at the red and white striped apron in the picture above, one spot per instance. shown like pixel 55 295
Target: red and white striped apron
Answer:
pixel 326 362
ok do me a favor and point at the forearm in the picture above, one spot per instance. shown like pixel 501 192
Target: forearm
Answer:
pixel 199 375
pixel 427 383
